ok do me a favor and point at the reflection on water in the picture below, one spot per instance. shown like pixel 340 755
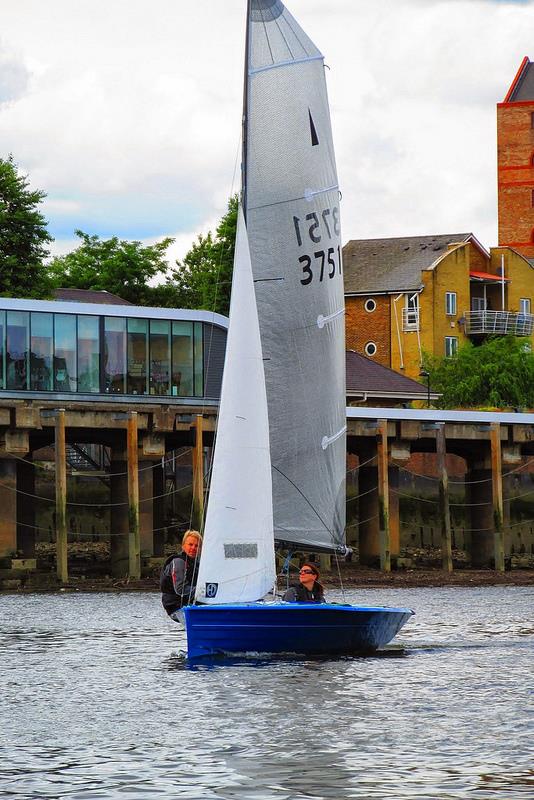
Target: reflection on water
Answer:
pixel 99 701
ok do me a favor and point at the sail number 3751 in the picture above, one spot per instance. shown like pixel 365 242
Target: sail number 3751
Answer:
pixel 324 263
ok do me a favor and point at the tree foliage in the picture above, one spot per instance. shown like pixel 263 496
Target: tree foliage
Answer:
pixel 23 236
pixel 498 373
pixel 122 267
pixel 204 277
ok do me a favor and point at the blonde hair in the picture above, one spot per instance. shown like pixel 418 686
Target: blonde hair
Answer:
pixel 195 534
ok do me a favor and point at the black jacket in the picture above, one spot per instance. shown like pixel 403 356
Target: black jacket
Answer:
pixel 178 580
pixel 299 594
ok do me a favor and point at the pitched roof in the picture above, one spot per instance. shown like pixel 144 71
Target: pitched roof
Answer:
pixel 90 296
pixel 522 88
pixel 393 265
pixel 365 376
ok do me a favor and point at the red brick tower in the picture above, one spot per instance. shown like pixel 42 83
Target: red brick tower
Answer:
pixel 515 162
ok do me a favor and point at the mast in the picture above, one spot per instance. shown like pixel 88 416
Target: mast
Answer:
pixel 245 117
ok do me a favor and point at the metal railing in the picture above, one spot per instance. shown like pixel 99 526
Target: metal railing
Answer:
pixel 498 322
pixel 410 319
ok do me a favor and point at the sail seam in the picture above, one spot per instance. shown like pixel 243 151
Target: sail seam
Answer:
pixel 263 21
pixel 284 64
pixel 309 194
pixel 288 20
pixel 275 20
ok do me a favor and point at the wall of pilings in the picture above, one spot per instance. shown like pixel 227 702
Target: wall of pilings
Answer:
pixel 419 492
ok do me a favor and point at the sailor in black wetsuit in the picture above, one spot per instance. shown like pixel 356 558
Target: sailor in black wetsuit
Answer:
pixel 309 589
pixel 179 575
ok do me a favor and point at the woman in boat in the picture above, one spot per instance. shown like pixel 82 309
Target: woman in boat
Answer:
pixel 309 589
pixel 178 577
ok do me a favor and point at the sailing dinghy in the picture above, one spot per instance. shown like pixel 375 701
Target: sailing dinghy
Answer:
pixel 280 452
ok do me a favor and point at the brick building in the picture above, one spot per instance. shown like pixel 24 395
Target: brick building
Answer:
pixel 410 295
pixel 515 161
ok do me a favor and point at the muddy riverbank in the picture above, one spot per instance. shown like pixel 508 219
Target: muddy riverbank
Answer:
pixel 352 577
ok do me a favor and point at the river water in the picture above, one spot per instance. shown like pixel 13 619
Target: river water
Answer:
pixel 97 701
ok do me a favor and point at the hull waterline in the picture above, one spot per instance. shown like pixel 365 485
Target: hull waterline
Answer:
pixel 304 629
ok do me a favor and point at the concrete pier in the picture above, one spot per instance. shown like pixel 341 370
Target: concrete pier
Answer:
pixel 136 479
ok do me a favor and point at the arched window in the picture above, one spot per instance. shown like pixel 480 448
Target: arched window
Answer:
pixel 370 305
pixel 370 349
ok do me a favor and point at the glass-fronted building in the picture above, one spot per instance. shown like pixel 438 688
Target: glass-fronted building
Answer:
pixel 67 348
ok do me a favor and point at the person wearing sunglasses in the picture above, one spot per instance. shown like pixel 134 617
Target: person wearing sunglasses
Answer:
pixel 309 589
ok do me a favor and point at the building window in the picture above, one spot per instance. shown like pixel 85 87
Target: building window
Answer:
pixel 160 357
pixel 2 349
pixel 451 346
pixel 114 354
pixel 532 119
pixel 370 349
pixel 182 359
pixel 370 305
pixel 17 350
pixel 532 198
pixel 524 305
pixel 41 352
pixel 137 357
pixel 198 345
pixel 410 313
pixel 88 354
pixel 65 353
pixel 450 304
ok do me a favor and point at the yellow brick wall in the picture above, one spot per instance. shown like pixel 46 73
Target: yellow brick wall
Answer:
pixel 521 276
pixel 450 274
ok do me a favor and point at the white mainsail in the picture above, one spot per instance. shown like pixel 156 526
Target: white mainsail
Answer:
pixel 292 213
pixel 237 561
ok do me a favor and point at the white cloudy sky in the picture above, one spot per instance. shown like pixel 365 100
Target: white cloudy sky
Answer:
pixel 127 112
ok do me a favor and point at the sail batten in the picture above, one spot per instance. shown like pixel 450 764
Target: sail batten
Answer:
pixel 287 63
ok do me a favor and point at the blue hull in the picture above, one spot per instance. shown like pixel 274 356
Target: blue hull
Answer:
pixel 306 628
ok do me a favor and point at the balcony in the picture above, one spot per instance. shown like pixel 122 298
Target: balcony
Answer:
pixel 498 323
pixel 410 319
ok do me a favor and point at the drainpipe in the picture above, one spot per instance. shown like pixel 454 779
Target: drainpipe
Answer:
pixel 395 300
pixel 502 281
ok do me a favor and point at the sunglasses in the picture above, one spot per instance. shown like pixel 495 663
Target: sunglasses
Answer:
pixel 306 572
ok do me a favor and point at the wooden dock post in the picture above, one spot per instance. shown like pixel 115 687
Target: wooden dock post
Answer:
pixel 496 483
pixel 134 546
pixel 444 509
pixel 61 497
pixel 198 474
pixel 383 496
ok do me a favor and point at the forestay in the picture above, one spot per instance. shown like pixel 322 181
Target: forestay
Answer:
pixel 292 214
pixel 237 561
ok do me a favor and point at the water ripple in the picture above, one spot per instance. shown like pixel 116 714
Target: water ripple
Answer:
pixel 99 701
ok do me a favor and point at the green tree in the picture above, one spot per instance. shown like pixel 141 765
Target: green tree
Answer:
pixel 121 267
pixel 498 373
pixel 23 236
pixel 204 277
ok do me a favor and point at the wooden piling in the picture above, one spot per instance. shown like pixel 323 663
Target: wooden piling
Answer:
pixel 496 484
pixel 61 498
pixel 383 496
pixel 198 474
pixel 134 546
pixel 325 562
pixel 444 509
